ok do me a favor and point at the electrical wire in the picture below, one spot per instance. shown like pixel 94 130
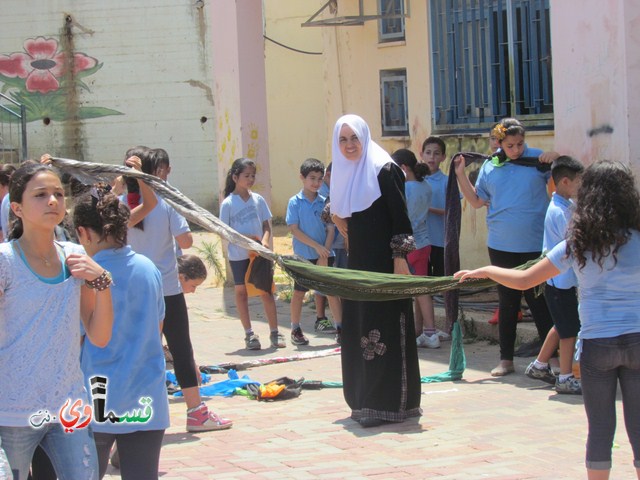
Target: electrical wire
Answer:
pixel 291 48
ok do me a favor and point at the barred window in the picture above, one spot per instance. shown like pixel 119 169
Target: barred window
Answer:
pixel 393 100
pixel 391 29
pixel 491 59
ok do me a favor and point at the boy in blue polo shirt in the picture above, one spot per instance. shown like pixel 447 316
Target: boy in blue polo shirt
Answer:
pixel 312 239
pixel 560 291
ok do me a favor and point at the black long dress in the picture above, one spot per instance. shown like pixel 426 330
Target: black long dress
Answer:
pixel 380 371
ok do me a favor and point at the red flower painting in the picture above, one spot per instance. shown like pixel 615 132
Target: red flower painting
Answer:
pixel 42 65
pixel 36 76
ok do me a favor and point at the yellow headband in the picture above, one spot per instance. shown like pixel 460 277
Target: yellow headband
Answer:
pixel 499 131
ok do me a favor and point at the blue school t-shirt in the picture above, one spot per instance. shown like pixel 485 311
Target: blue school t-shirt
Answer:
pixel 133 360
pixel 418 201
pixel 556 222
pixel 306 214
pixel 609 297
pixel 438 182
pixel 518 201
pixel 156 242
pixel 245 218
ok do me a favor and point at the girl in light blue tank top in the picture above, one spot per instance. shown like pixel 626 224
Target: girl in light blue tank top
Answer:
pixel 43 299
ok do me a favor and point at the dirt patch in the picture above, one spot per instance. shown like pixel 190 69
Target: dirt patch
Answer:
pixel 282 240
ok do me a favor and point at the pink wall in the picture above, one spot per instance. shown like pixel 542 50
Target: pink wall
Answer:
pixel 240 87
pixel 596 75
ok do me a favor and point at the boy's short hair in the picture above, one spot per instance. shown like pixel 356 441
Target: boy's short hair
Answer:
pixel 160 157
pixel 565 167
pixel 438 141
pixel 311 165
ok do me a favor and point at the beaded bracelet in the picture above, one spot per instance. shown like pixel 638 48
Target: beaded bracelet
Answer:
pixel 103 282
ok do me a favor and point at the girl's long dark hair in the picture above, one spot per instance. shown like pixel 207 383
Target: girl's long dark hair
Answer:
pixel 237 167
pixel 103 213
pixel 607 209
pixel 133 189
pixel 406 157
pixel 17 185
pixel 6 170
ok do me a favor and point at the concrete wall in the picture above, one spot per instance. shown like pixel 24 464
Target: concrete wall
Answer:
pixel 596 74
pixel 153 86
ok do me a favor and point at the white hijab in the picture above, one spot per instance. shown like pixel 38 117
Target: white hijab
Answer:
pixel 354 184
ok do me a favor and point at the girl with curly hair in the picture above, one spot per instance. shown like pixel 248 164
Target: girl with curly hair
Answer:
pixel 133 363
pixel 602 247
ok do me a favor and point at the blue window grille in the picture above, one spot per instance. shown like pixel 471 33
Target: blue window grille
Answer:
pixel 491 59
pixel 393 101
pixel 391 29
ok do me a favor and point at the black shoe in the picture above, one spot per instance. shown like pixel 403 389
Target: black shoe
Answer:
pixel 298 338
pixel 324 325
pixel 339 335
pixel 368 422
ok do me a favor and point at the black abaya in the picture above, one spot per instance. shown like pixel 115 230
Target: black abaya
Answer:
pixel 380 369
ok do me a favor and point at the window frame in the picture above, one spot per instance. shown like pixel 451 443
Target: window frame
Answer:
pixel 490 33
pixel 387 77
pixel 384 36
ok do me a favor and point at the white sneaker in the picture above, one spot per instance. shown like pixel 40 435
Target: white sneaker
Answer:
pixel 426 341
pixel 443 336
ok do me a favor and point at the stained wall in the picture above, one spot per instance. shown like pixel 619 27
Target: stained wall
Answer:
pixel 142 74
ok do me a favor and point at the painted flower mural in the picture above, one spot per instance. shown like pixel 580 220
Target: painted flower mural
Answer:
pixel 44 78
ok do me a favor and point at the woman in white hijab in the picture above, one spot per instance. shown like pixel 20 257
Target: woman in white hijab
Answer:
pixel 380 369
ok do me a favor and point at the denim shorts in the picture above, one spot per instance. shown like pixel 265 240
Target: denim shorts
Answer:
pixel 563 306
pixel 239 270
pixel 341 258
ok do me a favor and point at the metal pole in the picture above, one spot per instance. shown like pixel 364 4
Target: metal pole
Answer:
pixel 23 122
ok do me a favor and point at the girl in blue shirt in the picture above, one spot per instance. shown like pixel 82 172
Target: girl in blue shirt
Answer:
pixel 133 362
pixel 247 212
pixel 163 229
pixel 516 200
pixel 418 192
pixel 602 248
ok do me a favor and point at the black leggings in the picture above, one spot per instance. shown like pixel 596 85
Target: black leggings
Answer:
pixel 139 453
pixel 176 331
pixel 509 303
pixel 436 261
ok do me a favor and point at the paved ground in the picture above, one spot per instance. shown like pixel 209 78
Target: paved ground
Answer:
pixel 476 428
pixel 479 427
